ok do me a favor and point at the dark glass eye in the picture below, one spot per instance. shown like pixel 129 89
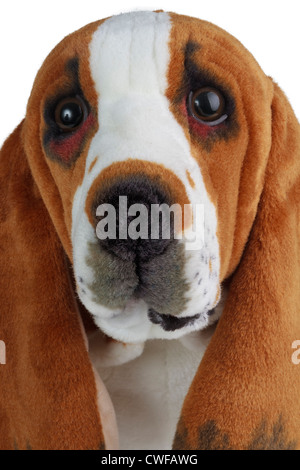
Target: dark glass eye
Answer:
pixel 207 105
pixel 69 113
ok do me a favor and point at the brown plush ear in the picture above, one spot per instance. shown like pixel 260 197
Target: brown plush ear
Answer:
pixel 246 392
pixel 48 393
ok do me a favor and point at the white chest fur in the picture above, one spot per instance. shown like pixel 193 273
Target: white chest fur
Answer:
pixel 148 391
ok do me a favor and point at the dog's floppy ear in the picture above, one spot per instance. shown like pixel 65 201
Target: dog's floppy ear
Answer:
pixel 48 393
pixel 246 392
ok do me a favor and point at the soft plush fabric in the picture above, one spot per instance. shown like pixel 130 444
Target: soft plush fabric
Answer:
pixel 75 308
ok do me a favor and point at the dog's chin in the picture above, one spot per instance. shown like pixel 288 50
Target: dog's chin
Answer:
pixel 136 322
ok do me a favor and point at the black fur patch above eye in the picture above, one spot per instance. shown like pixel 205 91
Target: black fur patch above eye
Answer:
pixel 71 89
pixel 66 147
pixel 194 78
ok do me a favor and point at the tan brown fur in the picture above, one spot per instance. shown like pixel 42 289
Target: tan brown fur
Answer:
pixel 47 388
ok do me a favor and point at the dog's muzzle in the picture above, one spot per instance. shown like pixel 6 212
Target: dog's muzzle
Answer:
pixel 141 280
pixel 138 194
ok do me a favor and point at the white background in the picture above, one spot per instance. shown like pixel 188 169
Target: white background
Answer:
pixel 29 29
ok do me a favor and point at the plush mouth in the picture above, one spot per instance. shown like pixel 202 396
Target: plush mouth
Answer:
pixel 170 322
pixel 137 320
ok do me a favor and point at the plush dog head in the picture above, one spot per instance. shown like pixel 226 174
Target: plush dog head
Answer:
pixel 153 109
pixel 160 109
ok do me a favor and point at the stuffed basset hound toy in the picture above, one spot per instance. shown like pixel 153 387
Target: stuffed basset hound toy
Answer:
pixel 193 346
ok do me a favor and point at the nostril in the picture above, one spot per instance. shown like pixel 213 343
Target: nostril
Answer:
pixel 169 322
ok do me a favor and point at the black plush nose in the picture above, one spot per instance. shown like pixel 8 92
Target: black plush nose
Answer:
pixel 135 237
